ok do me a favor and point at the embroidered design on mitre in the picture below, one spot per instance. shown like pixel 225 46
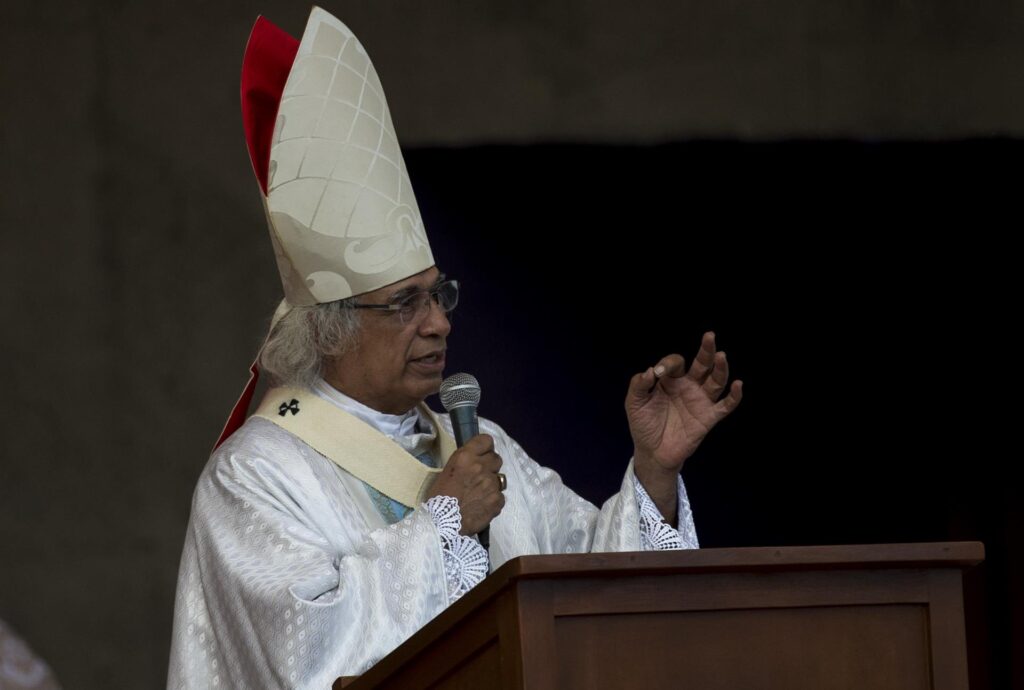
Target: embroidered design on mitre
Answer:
pixel 342 214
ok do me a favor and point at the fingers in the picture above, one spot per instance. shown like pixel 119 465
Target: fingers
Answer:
pixel 671 365
pixel 496 502
pixel 640 387
pixel 484 498
pixel 470 465
pixel 710 369
pixel 471 477
pixel 705 360
pixel 731 401
pixel 480 499
pixel 715 383
pixel 477 457
pixel 674 367
pixel 490 463
pixel 481 444
pixel 487 482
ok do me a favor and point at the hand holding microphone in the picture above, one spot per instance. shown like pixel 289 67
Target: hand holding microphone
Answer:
pixel 471 477
pixel 471 474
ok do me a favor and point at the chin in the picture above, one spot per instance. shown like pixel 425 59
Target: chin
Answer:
pixel 431 389
pixel 425 387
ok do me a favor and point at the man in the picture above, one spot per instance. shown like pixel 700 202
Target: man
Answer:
pixel 340 517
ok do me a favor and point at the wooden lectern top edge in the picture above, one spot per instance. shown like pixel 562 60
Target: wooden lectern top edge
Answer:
pixel 856 556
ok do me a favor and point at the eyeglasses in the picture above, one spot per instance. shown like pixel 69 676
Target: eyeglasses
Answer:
pixel 414 306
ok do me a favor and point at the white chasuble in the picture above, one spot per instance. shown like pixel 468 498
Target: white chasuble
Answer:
pixel 290 576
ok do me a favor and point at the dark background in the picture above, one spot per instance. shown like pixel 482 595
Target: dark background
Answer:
pixel 829 186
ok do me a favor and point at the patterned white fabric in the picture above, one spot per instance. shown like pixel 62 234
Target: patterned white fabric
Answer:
pixel 465 560
pixel 290 576
pixel 655 533
pixel 397 427
pixel 20 669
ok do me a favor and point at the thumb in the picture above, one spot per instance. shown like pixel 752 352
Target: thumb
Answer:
pixel 640 386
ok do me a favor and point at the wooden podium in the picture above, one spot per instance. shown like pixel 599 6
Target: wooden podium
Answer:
pixel 823 617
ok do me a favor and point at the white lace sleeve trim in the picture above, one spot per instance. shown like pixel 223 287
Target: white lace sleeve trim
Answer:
pixel 465 560
pixel 655 533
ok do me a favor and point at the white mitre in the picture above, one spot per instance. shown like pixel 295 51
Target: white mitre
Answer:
pixel 342 214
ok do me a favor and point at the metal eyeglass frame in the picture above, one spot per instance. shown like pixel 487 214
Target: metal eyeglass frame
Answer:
pixel 410 306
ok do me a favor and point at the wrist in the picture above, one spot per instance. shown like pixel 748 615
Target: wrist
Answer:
pixel 660 484
pixel 652 473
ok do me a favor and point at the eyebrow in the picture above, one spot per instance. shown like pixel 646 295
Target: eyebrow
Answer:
pixel 410 289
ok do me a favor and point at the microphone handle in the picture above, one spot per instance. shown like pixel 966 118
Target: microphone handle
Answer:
pixel 464 423
pixel 465 426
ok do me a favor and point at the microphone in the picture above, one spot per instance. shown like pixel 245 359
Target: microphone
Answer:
pixel 460 394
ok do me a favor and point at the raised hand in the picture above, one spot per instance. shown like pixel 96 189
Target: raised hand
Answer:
pixel 671 409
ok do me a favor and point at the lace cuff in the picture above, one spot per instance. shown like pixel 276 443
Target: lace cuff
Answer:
pixel 655 533
pixel 465 560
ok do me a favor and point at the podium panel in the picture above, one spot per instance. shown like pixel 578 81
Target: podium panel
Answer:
pixel 878 617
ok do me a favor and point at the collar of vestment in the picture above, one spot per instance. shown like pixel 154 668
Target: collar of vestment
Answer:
pixel 394 426
pixel 355 445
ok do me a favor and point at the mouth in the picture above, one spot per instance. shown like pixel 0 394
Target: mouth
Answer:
pixel 432 362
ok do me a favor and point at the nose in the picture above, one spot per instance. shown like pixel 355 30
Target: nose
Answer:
pixel 436 321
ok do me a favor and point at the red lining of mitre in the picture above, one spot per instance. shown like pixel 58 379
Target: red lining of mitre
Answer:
pixel 269 55
pixel 268 59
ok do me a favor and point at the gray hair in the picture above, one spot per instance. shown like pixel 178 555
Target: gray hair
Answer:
pixel 304 338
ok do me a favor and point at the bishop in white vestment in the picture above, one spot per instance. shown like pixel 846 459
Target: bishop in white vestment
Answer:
pixel 340 517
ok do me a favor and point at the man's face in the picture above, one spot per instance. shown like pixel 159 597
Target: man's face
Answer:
pixel 394 366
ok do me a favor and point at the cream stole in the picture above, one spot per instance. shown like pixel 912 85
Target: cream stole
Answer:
pixel 354 445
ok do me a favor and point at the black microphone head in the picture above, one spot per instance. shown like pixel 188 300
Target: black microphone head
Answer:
pixel 459 390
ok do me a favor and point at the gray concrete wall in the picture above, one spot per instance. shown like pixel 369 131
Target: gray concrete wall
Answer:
pixel 128 213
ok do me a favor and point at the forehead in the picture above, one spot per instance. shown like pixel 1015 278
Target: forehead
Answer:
pixel 421 280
